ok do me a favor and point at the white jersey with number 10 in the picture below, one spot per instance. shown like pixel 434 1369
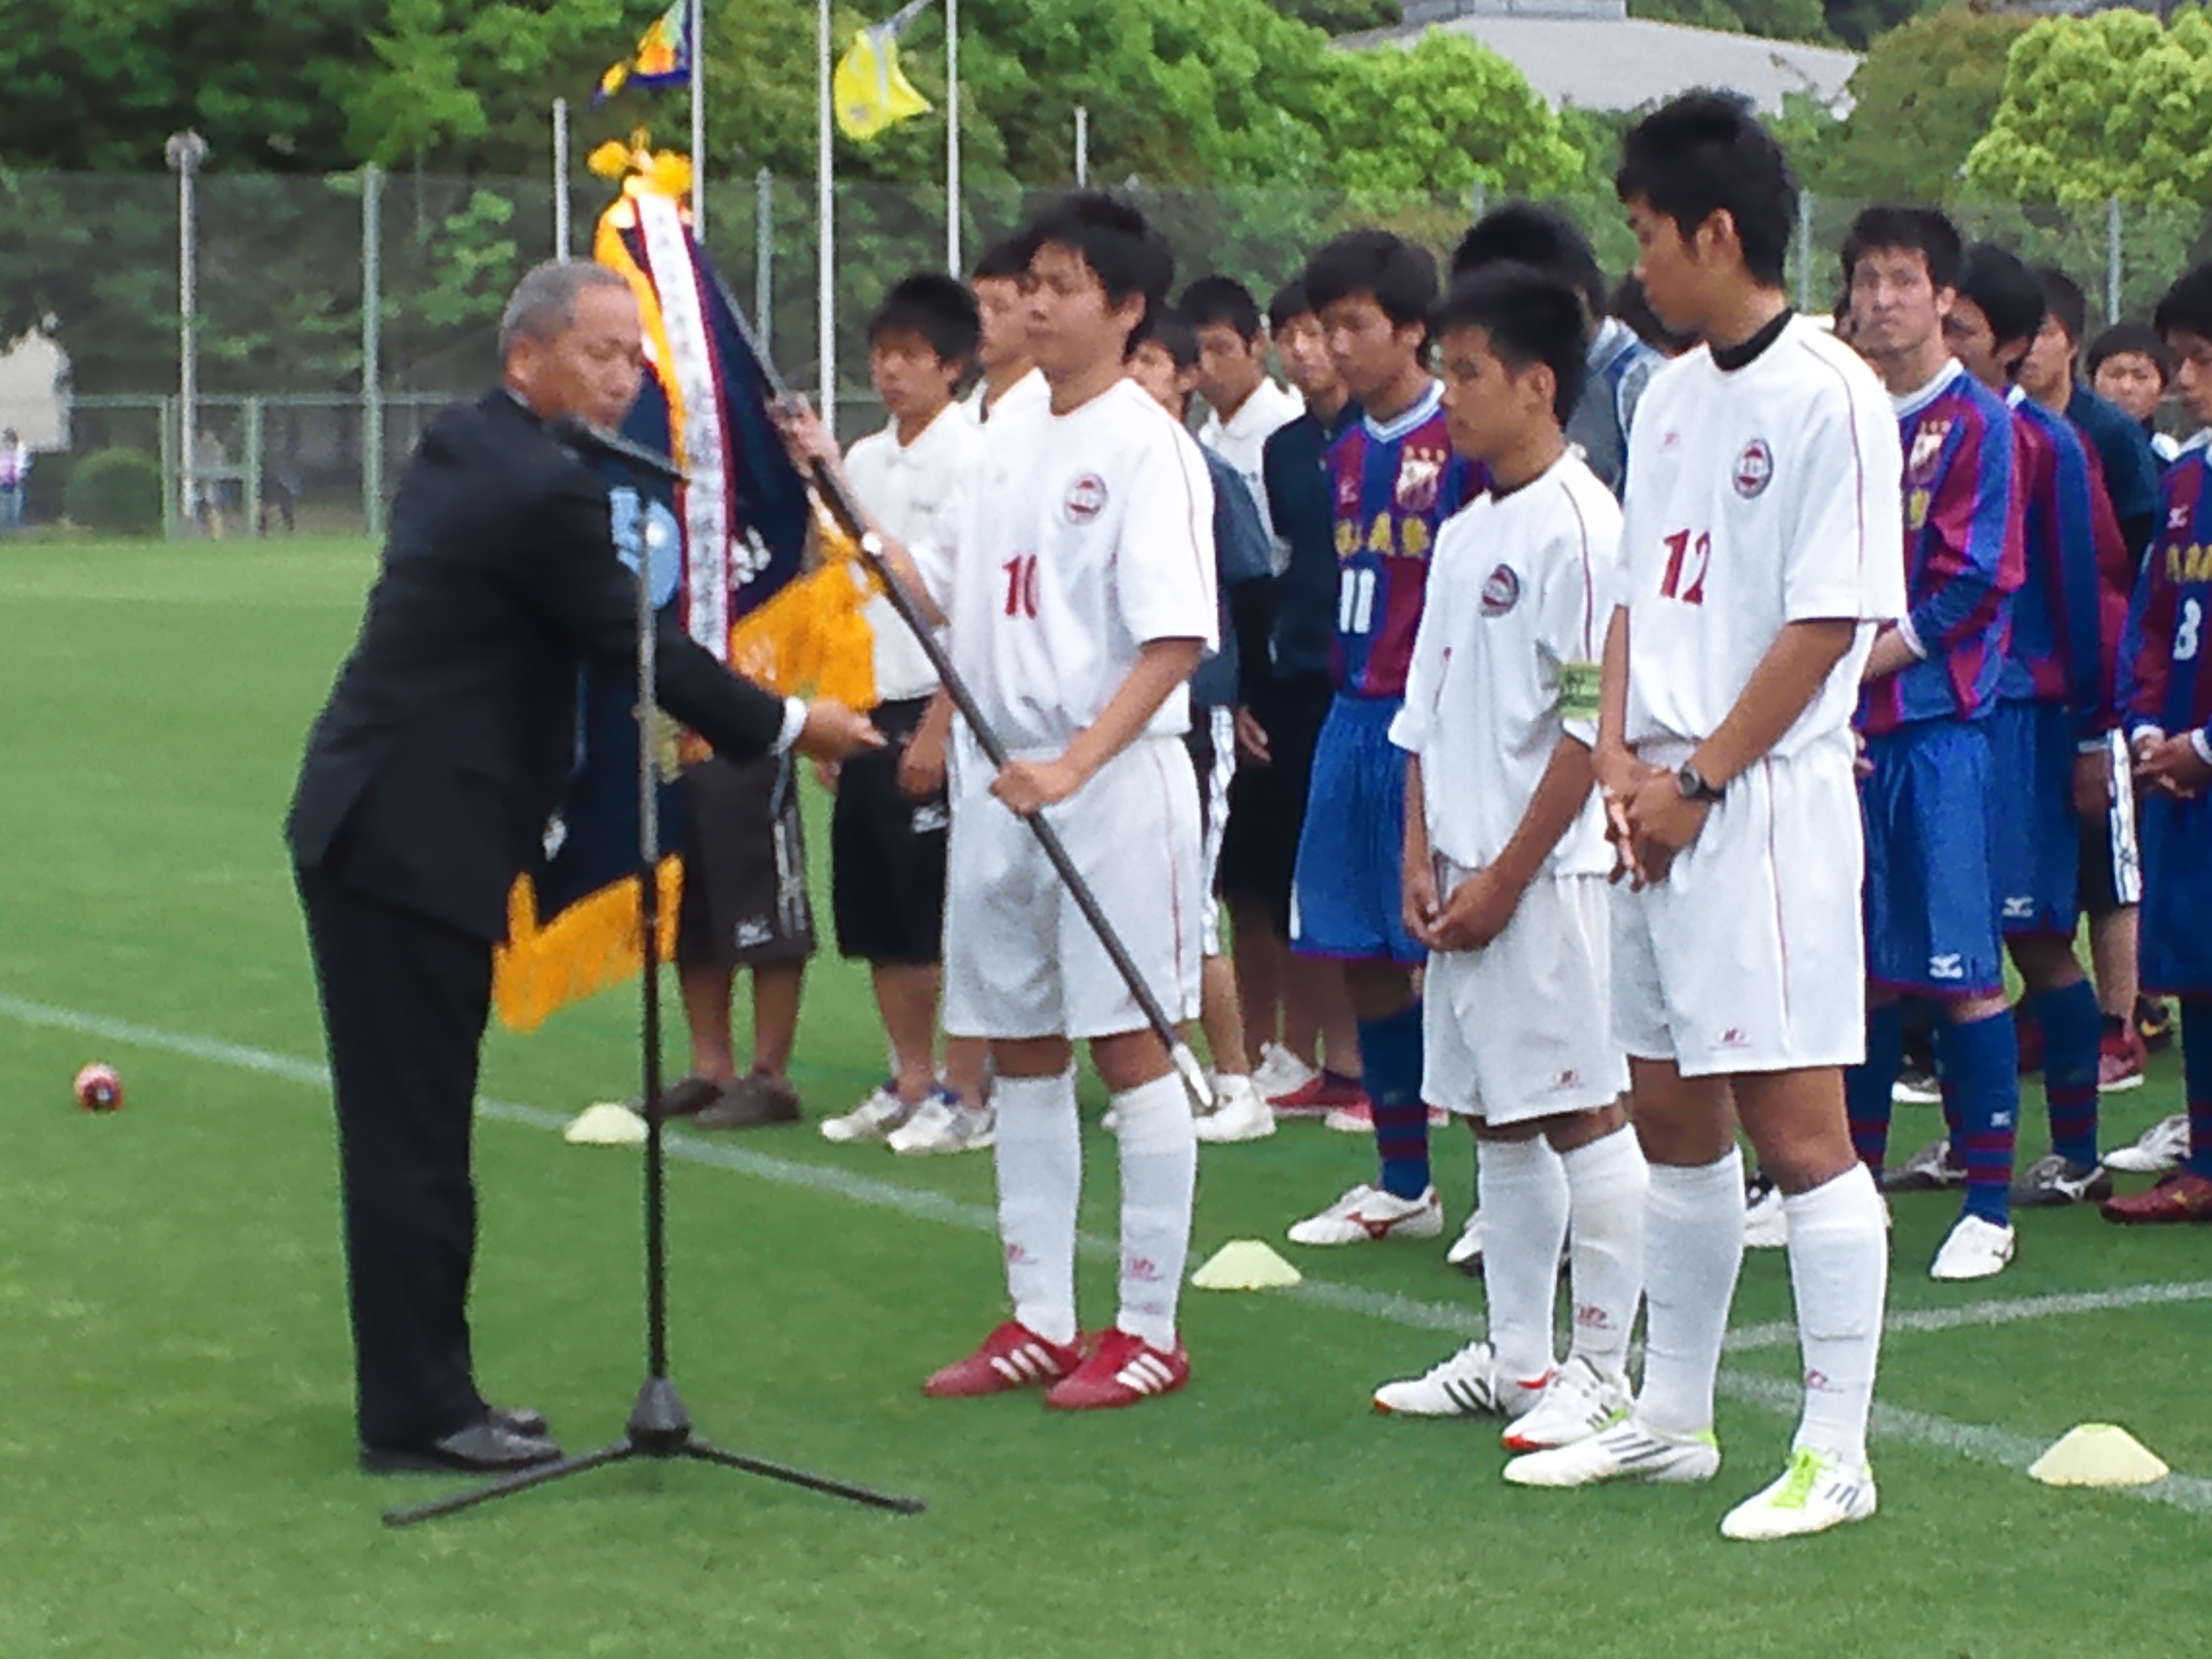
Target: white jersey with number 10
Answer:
pixel 1756 498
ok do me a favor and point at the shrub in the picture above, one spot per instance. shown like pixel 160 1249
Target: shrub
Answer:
pixel 117 491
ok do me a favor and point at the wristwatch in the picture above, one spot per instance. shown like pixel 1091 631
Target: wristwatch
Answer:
pixel 1692 782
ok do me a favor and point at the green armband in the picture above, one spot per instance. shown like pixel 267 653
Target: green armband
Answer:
pixel 1578 690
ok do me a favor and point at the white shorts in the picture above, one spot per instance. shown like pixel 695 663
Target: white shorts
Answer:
pixel 1020 961
pixel 1750 955
pixel 1518 1029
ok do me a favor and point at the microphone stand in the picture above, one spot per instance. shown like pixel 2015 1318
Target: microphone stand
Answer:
pixel 659 1426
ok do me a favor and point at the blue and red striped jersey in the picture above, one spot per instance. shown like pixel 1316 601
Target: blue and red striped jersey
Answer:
pixel 1392 483
pixel 2162 681
pixel 1963 557
pixel 2056 655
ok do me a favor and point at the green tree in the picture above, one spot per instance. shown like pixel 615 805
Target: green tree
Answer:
pixel 1776 20
pixel 2108 106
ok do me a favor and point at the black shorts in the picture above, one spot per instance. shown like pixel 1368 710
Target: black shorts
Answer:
pixel 887 853
pixel 2100 893
pixel 744 867
pixel 1267 804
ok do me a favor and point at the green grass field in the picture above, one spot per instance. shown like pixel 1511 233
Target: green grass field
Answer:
pixel 176 1456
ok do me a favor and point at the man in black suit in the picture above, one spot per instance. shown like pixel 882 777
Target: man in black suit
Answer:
pixel 429 779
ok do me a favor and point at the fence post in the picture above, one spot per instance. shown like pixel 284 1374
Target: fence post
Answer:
pixel 372 320
pixel 173 520
pixel 2112 259
pixel 764 260
pixel 1805 251
pixel 253 466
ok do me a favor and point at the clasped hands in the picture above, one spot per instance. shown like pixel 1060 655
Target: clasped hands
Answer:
pixel 1647 818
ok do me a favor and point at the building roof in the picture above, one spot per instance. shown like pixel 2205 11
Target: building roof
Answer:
pixel 1591 53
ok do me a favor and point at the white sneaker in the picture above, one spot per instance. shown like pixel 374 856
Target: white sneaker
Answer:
pixel 1626 1451
pixel 1579 1400
pixel 1240 1112
pixel 1365 1213
pixel 1976 1249
pixel 1766 1223
pixel 1817 1492
pixel 872 1120
pixel 943 1123
pixel 2162 1147
pixel 1466 1252
pixel 1466 1385
pixel 1280 1072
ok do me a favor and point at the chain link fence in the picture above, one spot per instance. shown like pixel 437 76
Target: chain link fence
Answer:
pixel 336 314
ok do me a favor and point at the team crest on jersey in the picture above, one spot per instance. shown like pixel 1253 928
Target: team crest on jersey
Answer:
pixel 1420 476
pixel 1754 469
pixel 1927 446
pixel 1086 498
pixel 1501 590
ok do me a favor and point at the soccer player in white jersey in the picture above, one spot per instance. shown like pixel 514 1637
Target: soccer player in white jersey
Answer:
pixel 1077 587
pixel 1244 407
pixel 1505 869
pixel 1760 548
pixel 1009 378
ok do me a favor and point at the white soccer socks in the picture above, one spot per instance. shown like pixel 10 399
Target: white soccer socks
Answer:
pixel 1839 1274
pixel 1608 1195
pixel 1521 1188
pixel 1159 1172
pixel 1693 1250
pixel 1039 1168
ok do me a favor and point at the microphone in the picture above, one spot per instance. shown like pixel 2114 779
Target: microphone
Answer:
pixel 579 435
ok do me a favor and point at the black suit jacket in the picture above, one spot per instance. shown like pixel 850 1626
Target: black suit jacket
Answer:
pixel 447 740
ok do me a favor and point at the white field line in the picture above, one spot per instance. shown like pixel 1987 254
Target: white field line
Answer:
pixel 1779 1395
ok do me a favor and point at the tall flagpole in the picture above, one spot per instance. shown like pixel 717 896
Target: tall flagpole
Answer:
pixel 697 30
pixel 560 178
pixel 952 137
pixel 825 211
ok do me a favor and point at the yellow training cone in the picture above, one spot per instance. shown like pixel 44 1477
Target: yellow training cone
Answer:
pixel 606 1124
pixel 1244 1264
pixel 2098 1455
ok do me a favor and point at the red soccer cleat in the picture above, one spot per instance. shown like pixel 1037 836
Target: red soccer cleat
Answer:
pixel 1122 1371
pixel 2182 1196
pixel 1320 1095
pixel 1011 1357
pixel 2120 1061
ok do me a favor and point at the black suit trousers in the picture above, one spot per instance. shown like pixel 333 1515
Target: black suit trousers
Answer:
pixel 404 1002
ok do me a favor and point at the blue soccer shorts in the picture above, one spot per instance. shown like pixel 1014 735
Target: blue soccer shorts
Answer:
pixel 1931 895
pixel 1347 900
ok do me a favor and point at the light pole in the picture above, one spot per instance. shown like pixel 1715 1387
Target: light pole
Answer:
pixel 185 151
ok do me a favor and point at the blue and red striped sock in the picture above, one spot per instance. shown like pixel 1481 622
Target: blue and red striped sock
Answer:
pixel 2073 1027
pixel 2196 1079
pixel 1866 1088
pixel 1391 1061
pixel 1983 1056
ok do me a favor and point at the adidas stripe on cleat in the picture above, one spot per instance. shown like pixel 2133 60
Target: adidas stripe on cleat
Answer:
pixel 1818 1490
pixel 1626 1451
pixel 1122 1371
pixel 1012 1357
pixel 1466 1385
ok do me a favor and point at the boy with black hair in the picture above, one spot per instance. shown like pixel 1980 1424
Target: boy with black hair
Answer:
pixel 887 829
pixel 1928 800
pixel 1505 866
pixel 1008 372
pixel 1759 546
pixel 1621 365
pixel 1297 1018
pixel 2127 470
pixel 2129 368
pixel 1165 363
pixel 2167 707
pixel 1244 407
pixel 1076 585
pixel 1394 480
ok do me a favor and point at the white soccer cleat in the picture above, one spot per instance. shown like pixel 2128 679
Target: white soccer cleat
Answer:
pixel 943 1123
pixel 1976 1249
pixel 1241 1112
pixel 1466 1385
pixel 1818 1490
pixel 1626 1451
pixel 1766 1223
pixel 1466 1252
pixel 1280 1072
pixel 1368 1213
pixel 1579 1400
pixel 2162 1147
pixel 872 1120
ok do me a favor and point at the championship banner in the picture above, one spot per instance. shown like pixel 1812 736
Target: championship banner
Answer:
pixel 715 551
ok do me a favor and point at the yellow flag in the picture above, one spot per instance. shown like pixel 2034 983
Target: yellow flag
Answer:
pixel 870 91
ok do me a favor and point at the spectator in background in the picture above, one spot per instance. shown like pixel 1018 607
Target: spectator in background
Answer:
pixel 2131 470
pixel 2129 365
pixel 1244 408
pixel 14 476
pixel 1633 306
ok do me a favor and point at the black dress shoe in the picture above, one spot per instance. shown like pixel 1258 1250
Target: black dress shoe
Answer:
pixel 751 1102
pixel 485 1448
pixel 521 1420
pixel 684 1098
